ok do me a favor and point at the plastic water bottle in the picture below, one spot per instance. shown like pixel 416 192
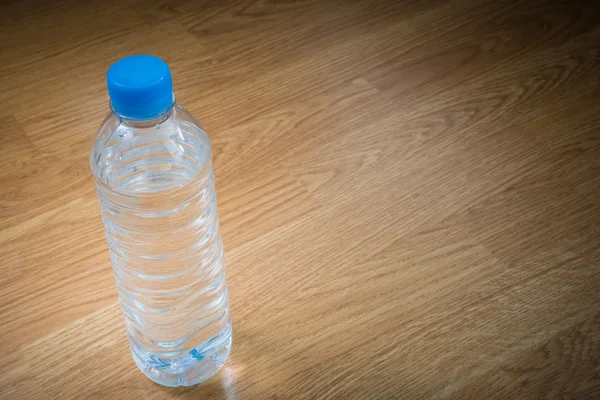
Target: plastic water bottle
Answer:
pixel 152 165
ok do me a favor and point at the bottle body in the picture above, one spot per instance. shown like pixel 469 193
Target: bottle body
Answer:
pixel 155 185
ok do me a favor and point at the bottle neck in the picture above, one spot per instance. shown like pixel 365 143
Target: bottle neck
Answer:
pixel 147 123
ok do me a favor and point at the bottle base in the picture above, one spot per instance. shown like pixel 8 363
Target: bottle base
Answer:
pixel 195 367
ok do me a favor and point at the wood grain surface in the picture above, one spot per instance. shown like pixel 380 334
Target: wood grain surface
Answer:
pixel 409 193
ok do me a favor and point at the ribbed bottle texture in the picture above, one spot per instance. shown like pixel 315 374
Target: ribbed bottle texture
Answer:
pixel 155 185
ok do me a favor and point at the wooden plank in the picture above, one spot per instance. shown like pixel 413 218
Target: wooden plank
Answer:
pixel 408 195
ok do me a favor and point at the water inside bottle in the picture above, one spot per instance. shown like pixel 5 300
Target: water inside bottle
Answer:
pixel 156 189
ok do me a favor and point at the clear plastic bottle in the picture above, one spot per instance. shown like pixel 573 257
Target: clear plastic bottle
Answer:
pixel 152 165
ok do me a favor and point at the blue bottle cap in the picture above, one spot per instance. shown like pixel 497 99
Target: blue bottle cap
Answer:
pixel 140 87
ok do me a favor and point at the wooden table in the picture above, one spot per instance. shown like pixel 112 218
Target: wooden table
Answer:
pixel 409 193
